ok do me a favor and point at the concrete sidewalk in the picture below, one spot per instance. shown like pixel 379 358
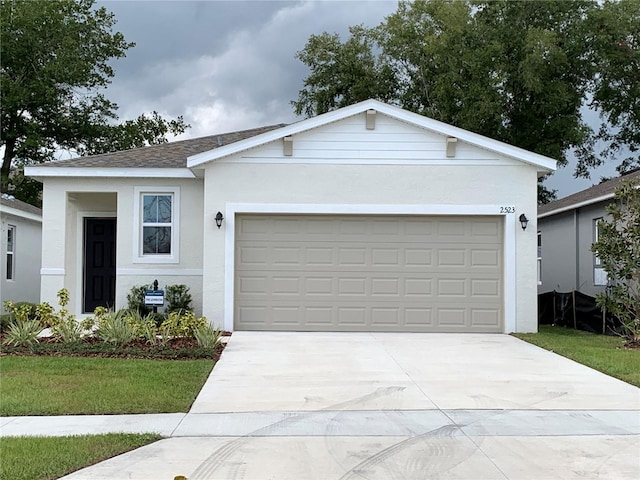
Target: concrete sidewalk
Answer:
pixel 334 423
pixel 381 406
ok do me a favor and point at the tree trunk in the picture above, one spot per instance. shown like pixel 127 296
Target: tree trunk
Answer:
pixel 9 152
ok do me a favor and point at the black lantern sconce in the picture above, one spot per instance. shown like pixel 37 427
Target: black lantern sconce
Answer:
pixel 523 221
pixel 219 219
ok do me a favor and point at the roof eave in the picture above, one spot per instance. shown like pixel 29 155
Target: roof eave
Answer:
pixel 16 212
pixel 39 172
pixel 574 206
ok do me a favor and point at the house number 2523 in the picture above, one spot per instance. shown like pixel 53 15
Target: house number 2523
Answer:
pixel 507 209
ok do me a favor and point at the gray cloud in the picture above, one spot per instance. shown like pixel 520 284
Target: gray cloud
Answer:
pixel 228 65
pixel 223 65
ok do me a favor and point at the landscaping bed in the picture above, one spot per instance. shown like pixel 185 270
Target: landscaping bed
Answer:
pixel 174 349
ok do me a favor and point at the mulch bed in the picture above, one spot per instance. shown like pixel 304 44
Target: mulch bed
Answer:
pixel 175 349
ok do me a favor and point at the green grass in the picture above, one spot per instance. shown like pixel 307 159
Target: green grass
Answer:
pixel 600 352
pixel 77 385
pixel 40 458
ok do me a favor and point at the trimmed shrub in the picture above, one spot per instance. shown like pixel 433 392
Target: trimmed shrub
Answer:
pixel 135 298
pixel 177 298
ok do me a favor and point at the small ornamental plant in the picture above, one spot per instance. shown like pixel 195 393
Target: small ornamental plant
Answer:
pixel 618 248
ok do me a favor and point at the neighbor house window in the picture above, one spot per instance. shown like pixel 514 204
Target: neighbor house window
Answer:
pixel 156 216
pixel 599 274
pixel 539 258
pixel 11 249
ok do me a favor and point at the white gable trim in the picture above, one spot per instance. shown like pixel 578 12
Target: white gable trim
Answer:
pixel 544 164
pixel 510 323
pixel 108 172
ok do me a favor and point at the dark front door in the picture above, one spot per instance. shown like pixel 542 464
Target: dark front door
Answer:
pixel 99 263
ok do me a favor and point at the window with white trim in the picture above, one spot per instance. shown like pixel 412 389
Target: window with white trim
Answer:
pixel 539 258
pixel 156 217
pixel 600 276
pixel 157 222
pixel 11 250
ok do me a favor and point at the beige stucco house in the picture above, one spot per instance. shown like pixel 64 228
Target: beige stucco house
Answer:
pixel 20 249
pixel 367 218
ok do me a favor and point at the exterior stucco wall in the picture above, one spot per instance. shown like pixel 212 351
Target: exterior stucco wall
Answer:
pixel 270 182
pixel 567 259
pixel 67 201
pixel 25 287
pixel 558 253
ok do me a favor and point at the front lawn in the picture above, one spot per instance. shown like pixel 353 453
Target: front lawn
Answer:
pixel 600 352
pixel 40 458
pixel 82 386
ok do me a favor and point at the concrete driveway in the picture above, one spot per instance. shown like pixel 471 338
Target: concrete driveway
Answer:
pixel 395 406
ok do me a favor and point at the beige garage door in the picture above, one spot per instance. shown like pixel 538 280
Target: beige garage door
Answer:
pixel 369 273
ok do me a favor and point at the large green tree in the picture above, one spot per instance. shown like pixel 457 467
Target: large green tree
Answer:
pixel 55 61
pixel 614 35
pixel 516 71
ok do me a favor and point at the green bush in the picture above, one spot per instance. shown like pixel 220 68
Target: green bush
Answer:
pixel 181 324
pixel 114 327
pixel 207 336
pixel 23 333
pixel 5 321
pixel 21 311
pixel 67 330
pixel 135 298
pixel 177 298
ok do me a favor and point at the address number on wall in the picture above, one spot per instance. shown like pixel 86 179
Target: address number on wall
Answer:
pixel 507 209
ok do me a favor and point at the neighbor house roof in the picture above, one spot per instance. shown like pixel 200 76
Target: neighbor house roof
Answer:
pixel 19 208
pixel 589 196
pixel 171 155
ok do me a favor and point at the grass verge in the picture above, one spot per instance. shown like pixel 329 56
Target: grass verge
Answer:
pixel 42 458
pixel 600 352
pixel 82 386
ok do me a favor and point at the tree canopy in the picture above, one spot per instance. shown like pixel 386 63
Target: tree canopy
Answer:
pixel 55 60
pixel 519 72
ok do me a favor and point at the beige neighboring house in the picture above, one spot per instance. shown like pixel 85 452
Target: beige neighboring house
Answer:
pixel 367 218
pixel 20 250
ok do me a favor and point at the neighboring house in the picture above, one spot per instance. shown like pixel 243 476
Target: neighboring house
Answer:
pixel 566 230
pixel 20 251
pixel 367 218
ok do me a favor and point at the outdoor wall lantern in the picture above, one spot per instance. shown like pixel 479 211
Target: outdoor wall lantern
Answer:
pixel 523 221
pixel 219 219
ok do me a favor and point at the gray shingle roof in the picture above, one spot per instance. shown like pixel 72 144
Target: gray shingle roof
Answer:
pixel 590 195
pixel 8 201
pixel 166 155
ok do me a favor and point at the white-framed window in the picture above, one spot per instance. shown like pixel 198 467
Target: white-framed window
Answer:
pixel 11 252
pixel 600 276
pixel 539 258
pixel 156 223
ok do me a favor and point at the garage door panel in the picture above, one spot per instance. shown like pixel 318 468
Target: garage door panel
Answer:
pixel 485 317
pixel 368 273
pixel 352 316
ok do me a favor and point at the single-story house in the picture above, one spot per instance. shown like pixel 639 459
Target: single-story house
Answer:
pixel 566 230
pixel 20 250
pixel 367 218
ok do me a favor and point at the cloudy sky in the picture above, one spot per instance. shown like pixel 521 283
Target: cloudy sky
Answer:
pixel 230 65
